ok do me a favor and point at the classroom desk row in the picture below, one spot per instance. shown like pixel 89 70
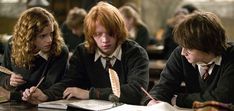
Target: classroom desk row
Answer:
pixel 155 69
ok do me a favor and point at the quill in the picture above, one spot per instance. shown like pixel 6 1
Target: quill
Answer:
pixel 5 70
pixel 148 94
pixel 115 85
pixel 38 83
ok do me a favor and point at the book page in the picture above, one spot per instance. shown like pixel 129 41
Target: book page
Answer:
pixel 3 95
pixel 162 106
pixel 3 99
pixel 92 104
pixel 59 104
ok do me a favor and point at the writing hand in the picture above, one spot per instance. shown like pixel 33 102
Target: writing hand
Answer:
pixel 34 95
pixel 75 92
pixel 152 102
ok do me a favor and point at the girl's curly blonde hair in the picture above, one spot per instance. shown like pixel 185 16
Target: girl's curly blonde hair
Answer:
pixel 29 25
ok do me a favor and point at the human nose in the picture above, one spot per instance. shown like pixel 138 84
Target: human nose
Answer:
pixel 104 37
pixel 49 38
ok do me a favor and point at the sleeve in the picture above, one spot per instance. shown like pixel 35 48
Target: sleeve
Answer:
pixel 137 74
pixel 70 79
pixel 170 79
pixel 57 70
pixel 5 78
pixel 222 92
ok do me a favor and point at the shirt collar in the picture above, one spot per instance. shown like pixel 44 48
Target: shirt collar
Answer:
pixel 117 54
pixel 217 61
pixel 43 55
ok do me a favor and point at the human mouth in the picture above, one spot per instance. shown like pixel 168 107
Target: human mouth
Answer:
pixel 106 46
pixel 47 46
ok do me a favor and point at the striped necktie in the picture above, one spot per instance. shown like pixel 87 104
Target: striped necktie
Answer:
pixel 108 63
pixel 205 71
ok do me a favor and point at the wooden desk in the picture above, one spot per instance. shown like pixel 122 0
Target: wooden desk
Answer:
pixel 155 52
pixel 24 106
pixel 155 69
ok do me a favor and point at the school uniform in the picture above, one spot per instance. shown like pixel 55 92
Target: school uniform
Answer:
pixel 87 71
pixel 217 86
pixel 53 66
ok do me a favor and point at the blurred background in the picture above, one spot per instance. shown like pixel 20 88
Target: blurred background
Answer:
pixel 153 12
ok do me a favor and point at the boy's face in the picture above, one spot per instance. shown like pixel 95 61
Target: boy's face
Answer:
pixel 44 39
pixel 105 42
pixel 196 56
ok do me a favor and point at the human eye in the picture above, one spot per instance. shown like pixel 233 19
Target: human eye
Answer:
pixel 97 34
pixel 51 34
pixel 42 36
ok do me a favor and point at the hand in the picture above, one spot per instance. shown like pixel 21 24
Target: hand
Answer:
pixel 16 80
pixel 34 95
pixel 75 92
pixel 152 102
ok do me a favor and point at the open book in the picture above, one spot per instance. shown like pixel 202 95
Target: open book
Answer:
pixel 81 104
pixel 3 99
pixel 161 106
pixel 59 104
pixel 3 95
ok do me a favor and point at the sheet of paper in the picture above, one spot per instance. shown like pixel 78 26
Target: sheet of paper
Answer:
pixel 59 104
pixel 162 106
pixel 92 104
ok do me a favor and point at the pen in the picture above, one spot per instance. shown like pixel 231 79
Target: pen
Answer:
pixel 148 94
pixel 38 84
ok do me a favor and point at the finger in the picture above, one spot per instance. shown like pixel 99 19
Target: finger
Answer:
pixel 27 93
pixel 19 81
pixel 24 98
pixel 65 95
pixel 33 89
pixel 17 76
pixel 14 84
pixel 69 96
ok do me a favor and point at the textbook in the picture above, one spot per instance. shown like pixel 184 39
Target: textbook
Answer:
pixel 80 104
pixel 3 95
pixel 3 99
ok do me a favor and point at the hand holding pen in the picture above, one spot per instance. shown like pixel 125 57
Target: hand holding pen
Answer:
pixel 153 100
pixel 34 95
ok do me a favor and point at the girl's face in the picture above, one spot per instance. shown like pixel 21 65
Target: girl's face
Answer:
pixel 43 41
